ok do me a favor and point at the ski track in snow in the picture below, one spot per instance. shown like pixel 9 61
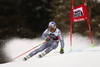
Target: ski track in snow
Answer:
pixel 83 55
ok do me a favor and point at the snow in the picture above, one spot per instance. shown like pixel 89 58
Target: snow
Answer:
pixel 83 55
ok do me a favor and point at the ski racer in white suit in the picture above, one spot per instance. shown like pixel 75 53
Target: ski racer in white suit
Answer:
pixel 52 35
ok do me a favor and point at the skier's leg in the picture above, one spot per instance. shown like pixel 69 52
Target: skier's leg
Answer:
pixel 54 45
pixel 48 49
pixel 36 51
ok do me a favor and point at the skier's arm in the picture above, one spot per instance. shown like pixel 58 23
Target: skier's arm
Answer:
pixel 61 39
pixel 44 34
pixel 62 43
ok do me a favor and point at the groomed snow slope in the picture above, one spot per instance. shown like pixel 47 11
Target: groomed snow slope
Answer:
pixel 83 55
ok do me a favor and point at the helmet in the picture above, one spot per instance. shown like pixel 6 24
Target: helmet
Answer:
pixel 52 25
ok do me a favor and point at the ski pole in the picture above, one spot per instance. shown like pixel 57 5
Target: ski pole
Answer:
pixel 28 51
pixel 57 52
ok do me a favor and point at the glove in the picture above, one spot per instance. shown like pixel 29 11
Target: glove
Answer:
pixel 61 50
pixel 47 39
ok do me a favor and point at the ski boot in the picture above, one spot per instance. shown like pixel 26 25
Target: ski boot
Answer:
pixel 26 58
pixel 41 55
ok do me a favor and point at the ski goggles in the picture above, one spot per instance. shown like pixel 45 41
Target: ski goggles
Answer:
pixel 52 28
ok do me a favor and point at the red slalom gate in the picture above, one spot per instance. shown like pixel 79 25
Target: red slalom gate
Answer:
pixel 79 13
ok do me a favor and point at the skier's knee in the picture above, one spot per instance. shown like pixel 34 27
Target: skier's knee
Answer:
pixel 39 50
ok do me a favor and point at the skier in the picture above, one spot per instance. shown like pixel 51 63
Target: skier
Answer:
pixel 52 35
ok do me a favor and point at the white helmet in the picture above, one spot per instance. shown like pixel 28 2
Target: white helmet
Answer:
pixel 52 25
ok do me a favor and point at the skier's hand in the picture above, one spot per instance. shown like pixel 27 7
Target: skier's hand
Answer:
pixel 47 39
pixel 61 50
